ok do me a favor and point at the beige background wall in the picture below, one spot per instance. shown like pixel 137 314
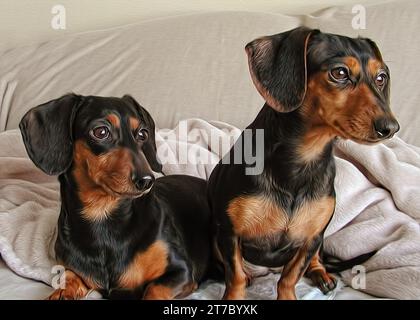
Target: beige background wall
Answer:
pixel 28 21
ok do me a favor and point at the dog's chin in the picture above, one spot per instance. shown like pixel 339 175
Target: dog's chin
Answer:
pixel 341 133
pixel 368 140
pixel 144 192
pixel 124 194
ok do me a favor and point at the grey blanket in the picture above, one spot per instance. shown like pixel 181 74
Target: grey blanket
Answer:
pixel 378 208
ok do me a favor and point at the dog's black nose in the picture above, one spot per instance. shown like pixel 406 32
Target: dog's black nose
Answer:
pixel 144 183
pixel 386 127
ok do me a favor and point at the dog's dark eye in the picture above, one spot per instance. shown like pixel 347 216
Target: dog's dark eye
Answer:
pixel 380 79
pixel 100 133
pixel 340 73
pixel 142 134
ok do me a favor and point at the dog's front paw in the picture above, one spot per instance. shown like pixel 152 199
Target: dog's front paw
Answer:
pixel 65 294
pixel 74 288
pixel 323 280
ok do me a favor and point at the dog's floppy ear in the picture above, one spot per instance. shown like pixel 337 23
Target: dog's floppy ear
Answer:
pixel 149 148
pixel 47 133
pixel 278 68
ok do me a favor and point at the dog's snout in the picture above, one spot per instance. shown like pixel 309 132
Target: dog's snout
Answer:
pixel 144 182
pixel 386 127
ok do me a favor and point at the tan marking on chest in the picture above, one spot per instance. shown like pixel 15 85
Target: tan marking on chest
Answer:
pixel 311 218
pixel 146 266
pixel 258 216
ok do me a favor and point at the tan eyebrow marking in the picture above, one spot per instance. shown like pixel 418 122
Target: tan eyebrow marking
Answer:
pixel 134 123
pixel 114 119
pixel 373 66
pixel 353 65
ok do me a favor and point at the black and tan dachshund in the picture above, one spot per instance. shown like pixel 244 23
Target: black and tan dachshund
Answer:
pixel 317 87
pixel 120 231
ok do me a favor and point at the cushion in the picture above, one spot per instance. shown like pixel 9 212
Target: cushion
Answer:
pixel 195 65
pixel 181 67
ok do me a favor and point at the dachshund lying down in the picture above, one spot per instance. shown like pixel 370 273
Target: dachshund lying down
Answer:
pixel 127 235
pixel 120 231
pixel 317 87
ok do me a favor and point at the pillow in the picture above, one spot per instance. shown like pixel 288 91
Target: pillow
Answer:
pixel 180 67
pixel 195 66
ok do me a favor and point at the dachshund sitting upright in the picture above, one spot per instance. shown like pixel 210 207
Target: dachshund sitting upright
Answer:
pixel 317 87
pixel 120 231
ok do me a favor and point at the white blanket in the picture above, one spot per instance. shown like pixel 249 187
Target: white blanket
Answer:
pixel 378 208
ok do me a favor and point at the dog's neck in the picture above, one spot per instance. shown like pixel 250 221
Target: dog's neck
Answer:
pixel 298 156
pixel 301 133
pixel 318 137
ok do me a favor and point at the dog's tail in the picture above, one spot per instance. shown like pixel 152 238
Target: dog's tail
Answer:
pixel 339 266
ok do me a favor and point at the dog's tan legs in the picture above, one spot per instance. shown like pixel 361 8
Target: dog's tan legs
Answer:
pixel 292 272
pixel 236 278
